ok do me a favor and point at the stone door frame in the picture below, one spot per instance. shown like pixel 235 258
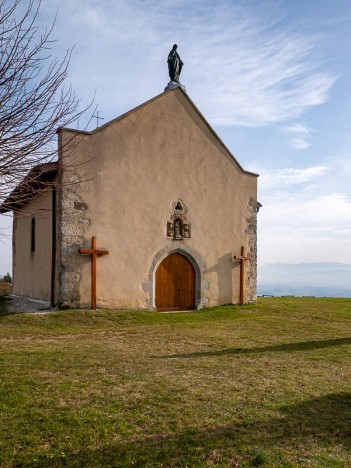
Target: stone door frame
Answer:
pixel 200 285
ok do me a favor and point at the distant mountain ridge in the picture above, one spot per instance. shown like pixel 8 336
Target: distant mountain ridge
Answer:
pixel 330 279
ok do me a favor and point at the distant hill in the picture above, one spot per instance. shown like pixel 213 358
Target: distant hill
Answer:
pixel 305 279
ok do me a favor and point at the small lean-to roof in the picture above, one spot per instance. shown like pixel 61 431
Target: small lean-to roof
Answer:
pixel 34 182
pixel 160 96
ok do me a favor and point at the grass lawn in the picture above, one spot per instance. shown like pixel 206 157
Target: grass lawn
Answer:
pixel 266 384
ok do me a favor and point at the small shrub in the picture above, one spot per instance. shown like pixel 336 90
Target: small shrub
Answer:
pixel 8 278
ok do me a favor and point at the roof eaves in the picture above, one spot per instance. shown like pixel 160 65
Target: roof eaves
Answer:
pixel 35 181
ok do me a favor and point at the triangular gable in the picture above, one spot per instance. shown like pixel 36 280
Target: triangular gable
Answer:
pixel 181 93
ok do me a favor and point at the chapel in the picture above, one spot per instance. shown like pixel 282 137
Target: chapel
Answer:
pixel 149 211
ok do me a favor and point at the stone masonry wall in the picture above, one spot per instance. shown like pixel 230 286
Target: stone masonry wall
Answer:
pixel 251 266
pixel 73 222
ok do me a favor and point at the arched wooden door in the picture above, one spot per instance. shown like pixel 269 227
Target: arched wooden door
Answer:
pixel 175 284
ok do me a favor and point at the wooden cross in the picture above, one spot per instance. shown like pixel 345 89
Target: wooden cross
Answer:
pixel 242 259
pixel 94 252
pixel 98 118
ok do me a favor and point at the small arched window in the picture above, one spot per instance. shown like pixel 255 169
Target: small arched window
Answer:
pixel 32 236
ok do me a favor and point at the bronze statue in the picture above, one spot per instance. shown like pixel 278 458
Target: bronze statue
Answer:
pixel 175 64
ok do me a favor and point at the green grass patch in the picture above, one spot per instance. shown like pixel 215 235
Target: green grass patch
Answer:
pixel 259 385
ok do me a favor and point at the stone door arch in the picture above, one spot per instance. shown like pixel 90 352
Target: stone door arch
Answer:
pixel 198 264
pixel 175 283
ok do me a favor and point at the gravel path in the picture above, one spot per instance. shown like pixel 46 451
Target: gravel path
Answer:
pixel 24 305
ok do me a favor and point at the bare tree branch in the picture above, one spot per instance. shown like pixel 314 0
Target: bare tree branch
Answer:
pixel 34 102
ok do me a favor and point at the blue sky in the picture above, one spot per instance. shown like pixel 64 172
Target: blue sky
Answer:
pixel 272 78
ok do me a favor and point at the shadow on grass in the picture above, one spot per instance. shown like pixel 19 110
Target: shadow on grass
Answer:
pixel 322 423
pixel 284 347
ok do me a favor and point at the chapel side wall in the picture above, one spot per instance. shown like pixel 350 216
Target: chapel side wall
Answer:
pixel 32 270
pixel 138 166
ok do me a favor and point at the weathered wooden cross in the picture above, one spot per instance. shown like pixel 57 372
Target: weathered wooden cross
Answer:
pixel 94 252
pixel 242 259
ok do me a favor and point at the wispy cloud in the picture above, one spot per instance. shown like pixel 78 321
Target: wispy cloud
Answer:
pixel 305 215
pixel 280 179
pixel 300 134
pixel 241 66
pixel 312 212
pixel 305 228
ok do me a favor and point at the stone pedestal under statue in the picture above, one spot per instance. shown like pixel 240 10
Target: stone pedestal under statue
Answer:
pixel 174 85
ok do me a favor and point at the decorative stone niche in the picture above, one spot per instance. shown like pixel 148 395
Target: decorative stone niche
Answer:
pixel 178 226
